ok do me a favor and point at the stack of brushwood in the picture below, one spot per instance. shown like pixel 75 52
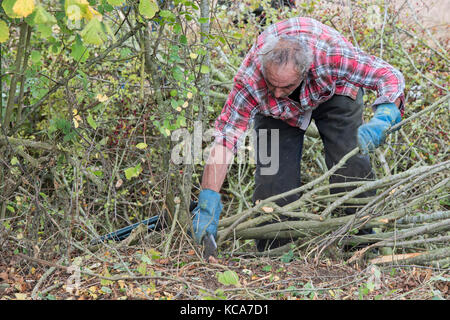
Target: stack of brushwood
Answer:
pixel 410 212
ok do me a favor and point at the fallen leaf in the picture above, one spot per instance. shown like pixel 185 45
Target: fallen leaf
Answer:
pixel 267 209
pixel 119 183
pixel 162 261
pixel 3 276
pixel 21 296
pixel 211 259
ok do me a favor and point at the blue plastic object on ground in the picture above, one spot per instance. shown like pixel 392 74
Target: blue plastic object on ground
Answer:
pixel 124 232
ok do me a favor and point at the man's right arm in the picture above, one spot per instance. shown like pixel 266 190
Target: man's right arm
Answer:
pixel 207 213
pixel 216 167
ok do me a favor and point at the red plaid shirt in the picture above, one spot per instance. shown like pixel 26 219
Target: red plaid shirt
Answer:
pixel 337 68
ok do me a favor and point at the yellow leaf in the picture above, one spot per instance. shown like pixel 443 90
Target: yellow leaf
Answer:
pixel 141 145
pixel 91 13
pixel 76 120
pixel 74 13
pixel 193 55
pixel 185 104
pixel 101 97
pixel 189 95
pixel 23 8
pixel 21 296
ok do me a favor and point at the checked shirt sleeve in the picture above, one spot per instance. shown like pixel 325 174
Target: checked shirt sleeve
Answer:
pixel 361 69
pixel 234 119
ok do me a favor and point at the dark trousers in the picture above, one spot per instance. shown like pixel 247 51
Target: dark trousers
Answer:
pixel 337 121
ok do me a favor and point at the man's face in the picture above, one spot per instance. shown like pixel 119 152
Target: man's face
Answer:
pixel 282 80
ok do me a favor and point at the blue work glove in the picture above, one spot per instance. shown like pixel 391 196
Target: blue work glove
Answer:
pixel 372 134
pixel 206 214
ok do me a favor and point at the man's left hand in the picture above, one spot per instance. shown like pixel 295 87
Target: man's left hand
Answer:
pixel 372 134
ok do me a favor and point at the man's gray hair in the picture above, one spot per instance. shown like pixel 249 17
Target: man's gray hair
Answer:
pixel 282 49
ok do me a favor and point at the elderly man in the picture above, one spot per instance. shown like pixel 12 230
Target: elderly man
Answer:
pixel 300 69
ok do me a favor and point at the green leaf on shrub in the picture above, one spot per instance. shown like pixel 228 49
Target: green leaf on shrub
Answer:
pixel 93 32
pixel 91 122
pixel 35 57
pixel 45 30
pixel 141 145
pixel 204 69
pixel 133 172
pixel 41 16
pixel 115 2
pixel 167 14
pixel 148 8
pixel 4 31
pixel 79 51
pixel 8 7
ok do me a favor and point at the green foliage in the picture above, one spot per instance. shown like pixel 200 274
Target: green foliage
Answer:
pixel 148 8
pixel 133 172
pixel 93 32
pixel 287 257
pixel 228 278
pixel 4 31
pixel 63 127
pixel 8 7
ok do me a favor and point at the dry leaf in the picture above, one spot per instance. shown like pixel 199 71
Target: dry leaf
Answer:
pixel 21 296
pixel 101 97
pixel 267 209
pixel 211 259
pixel 3 276
pixel 162 261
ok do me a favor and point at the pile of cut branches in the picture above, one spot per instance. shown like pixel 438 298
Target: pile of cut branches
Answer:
pixel 410 212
